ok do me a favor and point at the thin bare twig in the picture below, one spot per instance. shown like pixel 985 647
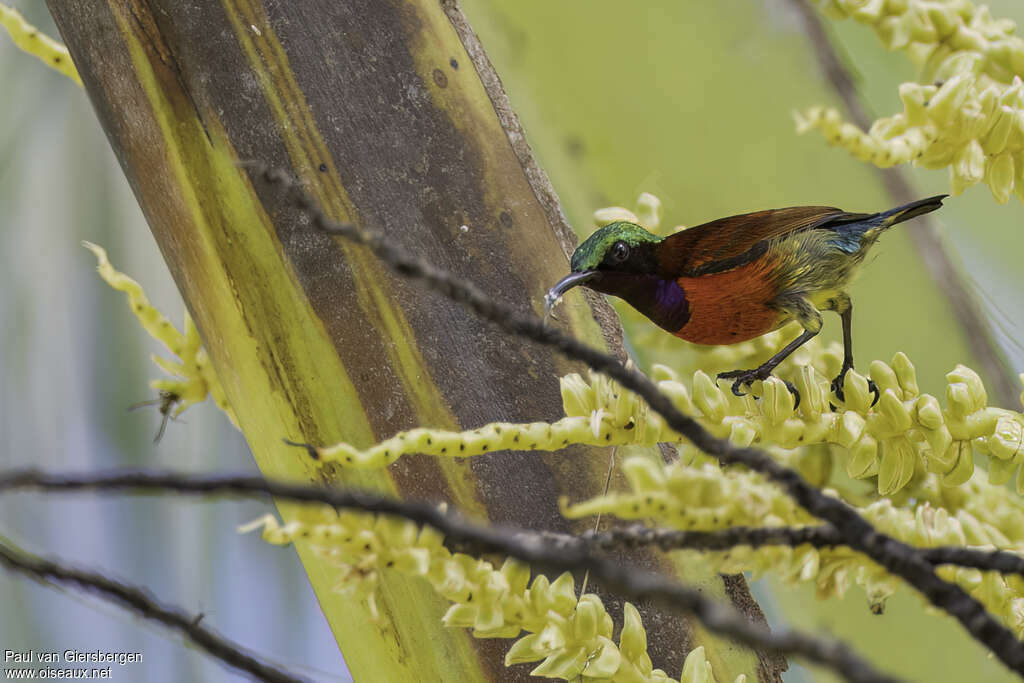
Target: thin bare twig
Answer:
pixel 138 600
pixel 635 584
pixel 824 536
pixel 636 535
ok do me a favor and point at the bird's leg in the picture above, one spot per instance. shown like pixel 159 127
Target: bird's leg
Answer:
pixel 844 307
pixel 763 371
pixel 810 318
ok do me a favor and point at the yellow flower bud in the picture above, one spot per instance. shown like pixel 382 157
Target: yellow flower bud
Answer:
pixel 968 168
pixel 964 467
pixel 644 474
pixel 1000 471
pixel 577 395
pixel 950 97
pixel 708 397
pixel 605 662
pixel 897 466
pixel 848 429
pixel 696 668
pixel 741 433
pixel 585 618
pixel 863 458
pixel 929 413
pixel 563 593
pixel 1000 177
pixel 855 388
pixel 679 394
pixel 1007 439
pixel 897 416
pixel 1000 130
pixel 603 217
pixel 633 639
pixel 939 441
pixel 777 403
pixel 649 211
pixel 885 378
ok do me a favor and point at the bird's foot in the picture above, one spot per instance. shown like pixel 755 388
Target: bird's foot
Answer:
pixel 748 377
pixel 837 386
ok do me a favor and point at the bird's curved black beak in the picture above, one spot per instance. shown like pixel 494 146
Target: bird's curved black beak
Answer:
pixel 564 285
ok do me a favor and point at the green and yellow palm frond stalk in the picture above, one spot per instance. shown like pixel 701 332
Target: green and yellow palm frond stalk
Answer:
pixel 33 41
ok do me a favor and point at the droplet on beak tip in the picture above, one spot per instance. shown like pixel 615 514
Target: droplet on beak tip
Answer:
pixel 549 307
pixel 571 280
pixel 551 300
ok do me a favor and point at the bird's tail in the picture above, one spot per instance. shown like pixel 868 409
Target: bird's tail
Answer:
pixel 873 226
pixel 889 218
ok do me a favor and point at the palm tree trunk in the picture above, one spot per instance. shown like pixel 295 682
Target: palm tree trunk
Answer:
pixel 391 117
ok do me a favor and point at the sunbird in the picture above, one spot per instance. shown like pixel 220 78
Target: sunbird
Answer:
pixel 739 277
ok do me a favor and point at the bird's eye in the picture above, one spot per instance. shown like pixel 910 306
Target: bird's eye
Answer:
pixel 619 252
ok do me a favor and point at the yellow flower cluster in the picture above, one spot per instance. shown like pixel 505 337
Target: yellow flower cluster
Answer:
pixel 648 212
pixel 968 112
pixel 906 433
pixel 193 375
pixel 570 635
pixel 31 40
pixel 707 498
pixel 496 436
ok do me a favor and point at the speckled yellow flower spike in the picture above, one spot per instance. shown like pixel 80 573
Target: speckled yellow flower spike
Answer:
pixel 706 498
pixel 33 41
pixel 905 434
pixel 967 113
pixel 193 375
pixel 569 635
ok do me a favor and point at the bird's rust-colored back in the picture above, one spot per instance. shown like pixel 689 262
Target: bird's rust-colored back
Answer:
pixel 731 242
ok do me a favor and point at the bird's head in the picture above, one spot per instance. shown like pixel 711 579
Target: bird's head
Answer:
pixel 617 249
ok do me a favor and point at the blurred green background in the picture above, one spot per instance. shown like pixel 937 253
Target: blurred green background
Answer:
pixel 689 100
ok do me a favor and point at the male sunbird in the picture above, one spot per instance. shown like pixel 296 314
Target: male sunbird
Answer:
pixel 739 277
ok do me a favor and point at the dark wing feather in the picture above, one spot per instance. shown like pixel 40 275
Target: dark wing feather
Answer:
pixel 730 242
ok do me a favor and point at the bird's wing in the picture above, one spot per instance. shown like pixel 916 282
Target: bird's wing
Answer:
pixel 730 242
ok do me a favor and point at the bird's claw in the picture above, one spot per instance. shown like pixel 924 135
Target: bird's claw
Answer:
pixel 837 387
pixel 742 377
pixel 736 388
pixel 792 390
pixel 748 377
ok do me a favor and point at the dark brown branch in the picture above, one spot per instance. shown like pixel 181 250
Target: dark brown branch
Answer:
pixel 824 536
pixel 896 557
pixel 633 536
pixel 637 535
pixel 632 583
pixel 139 601
pixel 985 560
pixel 976 328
